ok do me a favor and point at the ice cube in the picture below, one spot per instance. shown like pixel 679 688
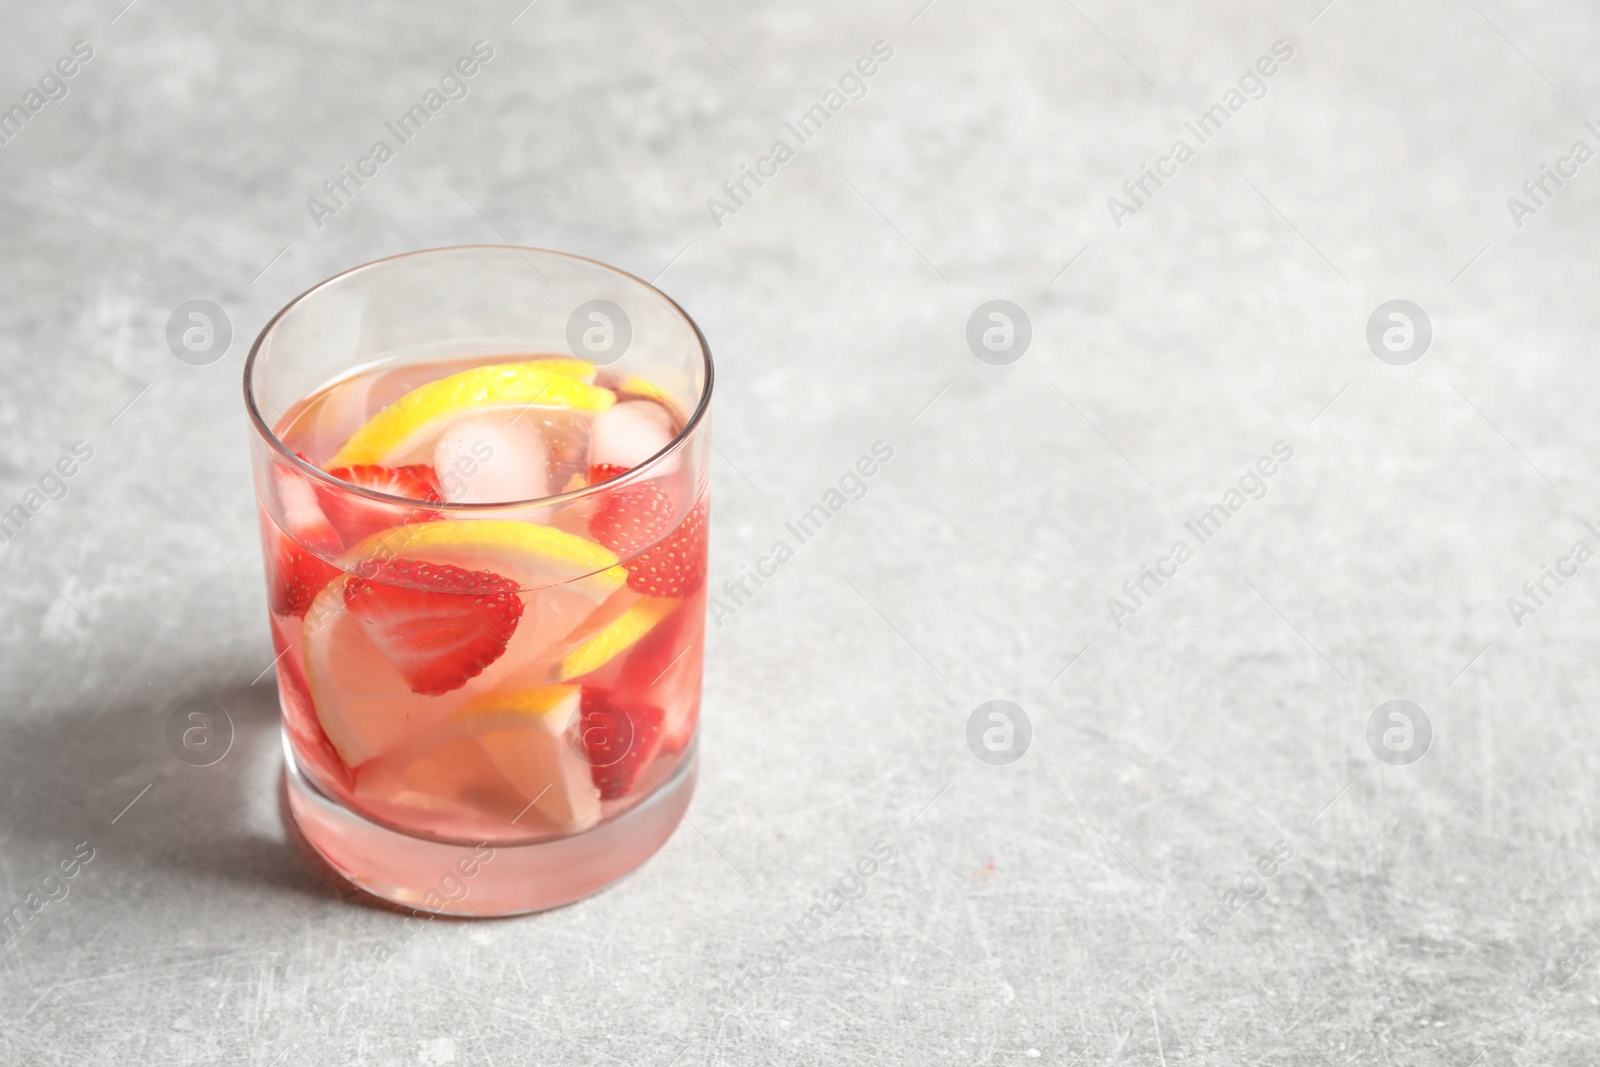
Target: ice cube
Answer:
pixel 629 433
pixel 492 456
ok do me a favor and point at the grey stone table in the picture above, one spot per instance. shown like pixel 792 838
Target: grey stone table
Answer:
pixel 1217 512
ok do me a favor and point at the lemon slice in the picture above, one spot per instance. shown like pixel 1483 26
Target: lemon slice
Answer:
pixel 511 755
pixel 529 554
pixel 621 634
pixel 530 737
pixel 405 431
pixel 548 707
pixel 363 703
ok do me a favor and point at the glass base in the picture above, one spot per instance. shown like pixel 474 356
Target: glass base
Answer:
pixel 486 880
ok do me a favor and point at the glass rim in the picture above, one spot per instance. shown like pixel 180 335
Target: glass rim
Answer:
pixel 690 427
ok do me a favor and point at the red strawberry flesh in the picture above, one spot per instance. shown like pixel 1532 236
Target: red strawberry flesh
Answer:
pixel 297 568
pixel 357 517
pixel 675 566
pixel 438 624
pixel 633 521
pixel 604 472
pixel 298 575
pixel 621 742
pixel 632 517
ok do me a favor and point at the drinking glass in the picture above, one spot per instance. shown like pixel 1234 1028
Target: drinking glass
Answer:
pixel 568 760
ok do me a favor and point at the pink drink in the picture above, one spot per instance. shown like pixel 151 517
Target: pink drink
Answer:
pixel 486 579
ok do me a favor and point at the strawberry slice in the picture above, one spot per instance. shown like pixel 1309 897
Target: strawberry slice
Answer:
pixel 620 742
pixel 627 520
pixel 356 517
pixel 439 625
pixel 675 566
pixel 297 571
pixel 298 575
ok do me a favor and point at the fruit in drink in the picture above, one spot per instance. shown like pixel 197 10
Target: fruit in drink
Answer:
pixel 355 517
pixel 617 636
pixel 439 625
pixel 528 736
pixel 620 741
pixel 676 565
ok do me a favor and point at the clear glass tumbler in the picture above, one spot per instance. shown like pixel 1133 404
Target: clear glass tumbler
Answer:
pixel 482 480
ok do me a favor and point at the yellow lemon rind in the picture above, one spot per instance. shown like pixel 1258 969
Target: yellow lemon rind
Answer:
pixel 498 385
pixel 619 635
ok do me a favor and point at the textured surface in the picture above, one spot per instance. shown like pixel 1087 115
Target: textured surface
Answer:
pixel 1033 912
